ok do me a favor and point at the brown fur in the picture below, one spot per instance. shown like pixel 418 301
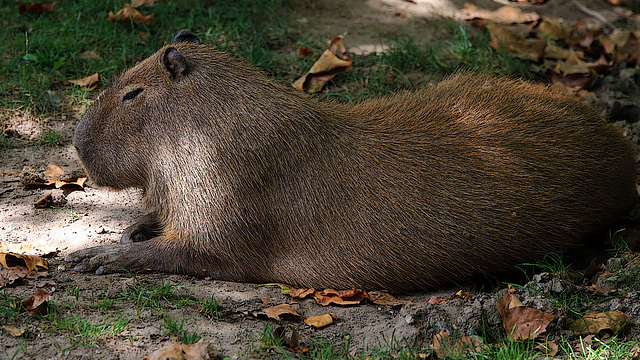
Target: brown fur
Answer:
pixel 247 180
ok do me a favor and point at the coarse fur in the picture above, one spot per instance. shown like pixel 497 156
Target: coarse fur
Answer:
pixel 248 180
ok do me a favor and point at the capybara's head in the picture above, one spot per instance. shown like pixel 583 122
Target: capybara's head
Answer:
pixel 120 133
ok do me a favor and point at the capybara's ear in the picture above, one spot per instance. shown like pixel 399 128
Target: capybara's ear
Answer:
pixel 185 36
pixel 174 62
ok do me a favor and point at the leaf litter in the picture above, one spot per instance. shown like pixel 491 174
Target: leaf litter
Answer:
pixel 571 55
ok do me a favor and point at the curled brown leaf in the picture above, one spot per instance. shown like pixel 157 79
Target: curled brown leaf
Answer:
pixel 340 297
pixel 37 304
pixel 596 322
pixel 319 321
pixel 331 63
pixel 521 322
pixel 129 13
pixel 275 312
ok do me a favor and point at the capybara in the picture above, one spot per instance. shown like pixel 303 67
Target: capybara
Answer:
pixel 248 180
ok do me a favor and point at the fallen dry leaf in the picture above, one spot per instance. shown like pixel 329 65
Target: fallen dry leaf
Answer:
pixel 593 268
pixel 86 81
pixel 583 34
pixel 503 15
pixel 68 187
pixel 607 44
pixel 11 275
pixel 37 304
pixel 129 13
pixel 553 51
pixel 319 321
pixel 584 344
pixel 513 40
pixel 554 29
pixel 299 293
pixel 13 331
pixel 437 300
pixel 574 81
pixel 53 172
pixel 55 177
pixel 43 283
pixel 304 52
pixel 197 351
pixel 441 344
pixel 274 312
pixel 293 342
pixel 31 262
pixel 595 322
pixel 549 348
pixel 628 46
pixel 340 297
pixel 572 65
pixel 331 63
pixel 521 322
pixel 36 8
pixel 599 290
pixel 90 54
pixel 464 295
pixel 383 298
pixel 44 202
pixel 445 348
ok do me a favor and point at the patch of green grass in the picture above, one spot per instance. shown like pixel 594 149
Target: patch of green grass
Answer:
pixel 575 305
pixel 177 329
pixel 323 348
pixel 211 307
pixel 612 348
pixel 145 294
pixel 8 310
pixel 102 301
pixel 5 142
pixel 269 339
pixel 406 62
pixel 617 243
pixel 42 51
pixel 73 217
pixel 553 263
pixel 49 137
pixel 509 349
pixel 82 332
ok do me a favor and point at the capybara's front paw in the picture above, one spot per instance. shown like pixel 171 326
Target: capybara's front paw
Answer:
pixel 101 259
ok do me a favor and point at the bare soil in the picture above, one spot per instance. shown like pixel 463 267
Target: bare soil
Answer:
pixel 98 216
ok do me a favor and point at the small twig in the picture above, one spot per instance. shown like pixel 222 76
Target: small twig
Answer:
pixel 594 14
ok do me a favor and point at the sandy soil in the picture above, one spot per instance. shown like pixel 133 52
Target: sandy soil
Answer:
pixel 98 216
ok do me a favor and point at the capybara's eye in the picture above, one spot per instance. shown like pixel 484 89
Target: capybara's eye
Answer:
pixel 131 94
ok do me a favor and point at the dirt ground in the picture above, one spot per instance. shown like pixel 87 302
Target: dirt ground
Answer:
pixel 98 216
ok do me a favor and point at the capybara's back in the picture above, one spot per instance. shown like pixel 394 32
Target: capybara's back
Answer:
pixel 247 180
